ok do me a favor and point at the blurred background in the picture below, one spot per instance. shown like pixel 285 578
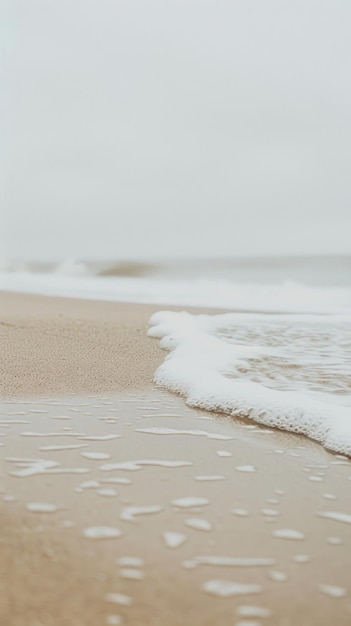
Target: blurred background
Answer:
pixel 148 129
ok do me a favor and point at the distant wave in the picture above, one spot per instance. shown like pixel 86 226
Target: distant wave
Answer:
pixel 72 281
pixel 318 271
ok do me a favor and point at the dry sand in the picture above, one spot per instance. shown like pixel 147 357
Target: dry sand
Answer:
pixel 74 369
pixel 57 345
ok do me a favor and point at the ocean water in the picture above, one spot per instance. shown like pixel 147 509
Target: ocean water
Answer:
pixel 280 356
pixel 275 284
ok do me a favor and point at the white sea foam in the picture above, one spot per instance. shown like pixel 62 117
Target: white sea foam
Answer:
pixel 108 493
pixel 101 532
pixel 173 540
pixel 129 513
pixel 240 512
pixel 119 598
pixel 288 533
pixel 278 577
pixel 41 507
pixel 96 456
pixel 226 588
pixel 131 561
pixel 131 574
pixel 288 371
pixel 252 611
pixel 177 431
pixel 190 502
pixel 230 561
pixel 31 467
pixel 197 523
pixel 133 466
pixel 333 591
pixel 336 516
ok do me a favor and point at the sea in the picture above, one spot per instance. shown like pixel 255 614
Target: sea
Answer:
pixel 278 351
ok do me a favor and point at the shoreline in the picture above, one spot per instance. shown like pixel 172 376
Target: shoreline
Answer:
pixel 79 411
pixel 63 345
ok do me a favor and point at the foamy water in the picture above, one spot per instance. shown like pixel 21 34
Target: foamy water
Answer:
pixel 287 371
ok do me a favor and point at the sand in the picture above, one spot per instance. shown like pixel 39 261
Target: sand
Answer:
pixel 77 393
pixel 54 345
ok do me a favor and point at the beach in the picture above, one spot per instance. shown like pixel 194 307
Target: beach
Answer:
pixel 120 504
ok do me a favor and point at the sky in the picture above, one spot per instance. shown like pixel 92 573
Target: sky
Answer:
pixel 175 128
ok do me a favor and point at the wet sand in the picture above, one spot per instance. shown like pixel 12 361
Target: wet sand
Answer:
pixel 243 488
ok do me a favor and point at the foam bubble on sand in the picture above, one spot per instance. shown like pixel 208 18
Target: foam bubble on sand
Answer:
pixel 68 470
pixel 31 467
pixel 270 368
pixel 107 492
pixel 116 480
pixel 209 478
pixel 73 446
pixel 336 516
pixel 96 456
pixel 133 466
pixel 301 558
pixel 176 431
pixel 131 561
pixel 100 437
pixel 190 501
pixel 55 434
pixel 9 422
pixel 230 561
pixel 129 513
pixel 278 577
pixel 101 532
pixel 198 523
pixel 119 598
pixel 61 417
pixel 89 484
pixel 252 611
pixel 333 591
pixel 41 507
pixel 131 574
pixel 226 588
pixel 173 540
pixel 287 533
pixel 270 512
pixel 240 512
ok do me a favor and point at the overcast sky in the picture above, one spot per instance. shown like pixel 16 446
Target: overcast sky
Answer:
pixel 142 128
